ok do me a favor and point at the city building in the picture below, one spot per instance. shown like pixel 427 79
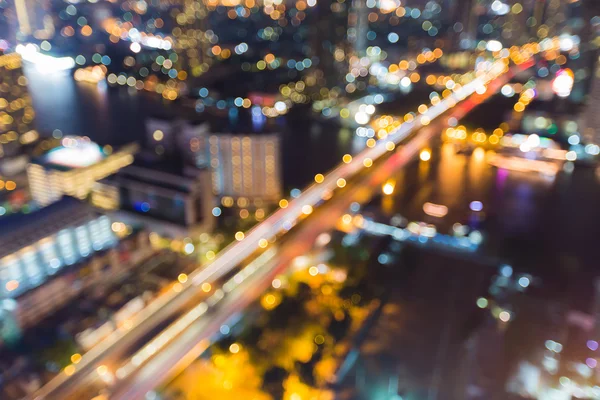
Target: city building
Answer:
pixel 34 19
pixel 177 136
pixel 246 168
pixel 16 114
pixel 49 256
pixel 591 117
pixel 73 168
pixel 38 245
pixel 168 196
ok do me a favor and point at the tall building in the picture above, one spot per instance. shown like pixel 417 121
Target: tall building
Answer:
pixel 38 245
pixel 175 137
pixel 246 168
pixel 49 256
pixel 167 196
pixel 358 26
pixel 34 19
pixel 16 111
pixel 73 168
pixel 591 115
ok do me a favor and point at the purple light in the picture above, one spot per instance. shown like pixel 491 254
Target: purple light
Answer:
pixel 476 206
pixel 591 362
pixel 592 345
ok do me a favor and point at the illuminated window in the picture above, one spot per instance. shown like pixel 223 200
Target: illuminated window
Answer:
pixel 49 256
pixel 83 241
pixel 65 244
pixel 106 235
pixel 32 267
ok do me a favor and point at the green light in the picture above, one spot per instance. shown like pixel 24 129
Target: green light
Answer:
pixel 482 302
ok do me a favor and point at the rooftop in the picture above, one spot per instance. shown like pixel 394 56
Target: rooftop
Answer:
pixel 75 152
pixel 21 230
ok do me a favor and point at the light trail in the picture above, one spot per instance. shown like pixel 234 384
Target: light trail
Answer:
pixel 279 222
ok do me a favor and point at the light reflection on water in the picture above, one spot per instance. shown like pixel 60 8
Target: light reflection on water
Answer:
pixel 116 116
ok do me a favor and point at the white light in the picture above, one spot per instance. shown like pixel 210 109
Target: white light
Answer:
pixel 75 153
pixel 592 149
pixel 573 140
pixel 388 188
pixel 280 106
pixel 361 118
pixel 188 248
pixel 504 316
pixel 533 141
pixel 507 91
pixel 43 62
pixel 524 281
pixel 135 47
pixel 370 109
pixel 567 42
pixel 563 84
pixel 405 82
pixel 571 156
pixel 494 45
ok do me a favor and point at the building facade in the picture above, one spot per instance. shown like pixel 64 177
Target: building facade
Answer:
pixel 54 254
pixel 16 111
pixel 39 245
pixel 246 168
pixel 73 168
pixel 161 196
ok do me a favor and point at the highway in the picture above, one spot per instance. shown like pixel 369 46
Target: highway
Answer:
pixel 183 301
pixel 187 346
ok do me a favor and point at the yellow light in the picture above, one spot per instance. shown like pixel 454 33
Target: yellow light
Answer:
pixel 319 178
pixel 182 278
pixel 425 155
pixel 239 236
pixel 102 370
pixel 10 185
pixel 158 135
pixel 75 358
pixel 347 158
pixel 234 348
pixel 307 209
pixel 313 271
pixel 270 299
pixel 69 370
pixel 263 243
pixel 422 109
pixel 341 182
pixel 390 146
pixel 388 188
pixel 347 219
pixel 210 255
pixel 206 287
pixel 371 142
pixel 367 162
pixel 519 107
pixel 283 203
